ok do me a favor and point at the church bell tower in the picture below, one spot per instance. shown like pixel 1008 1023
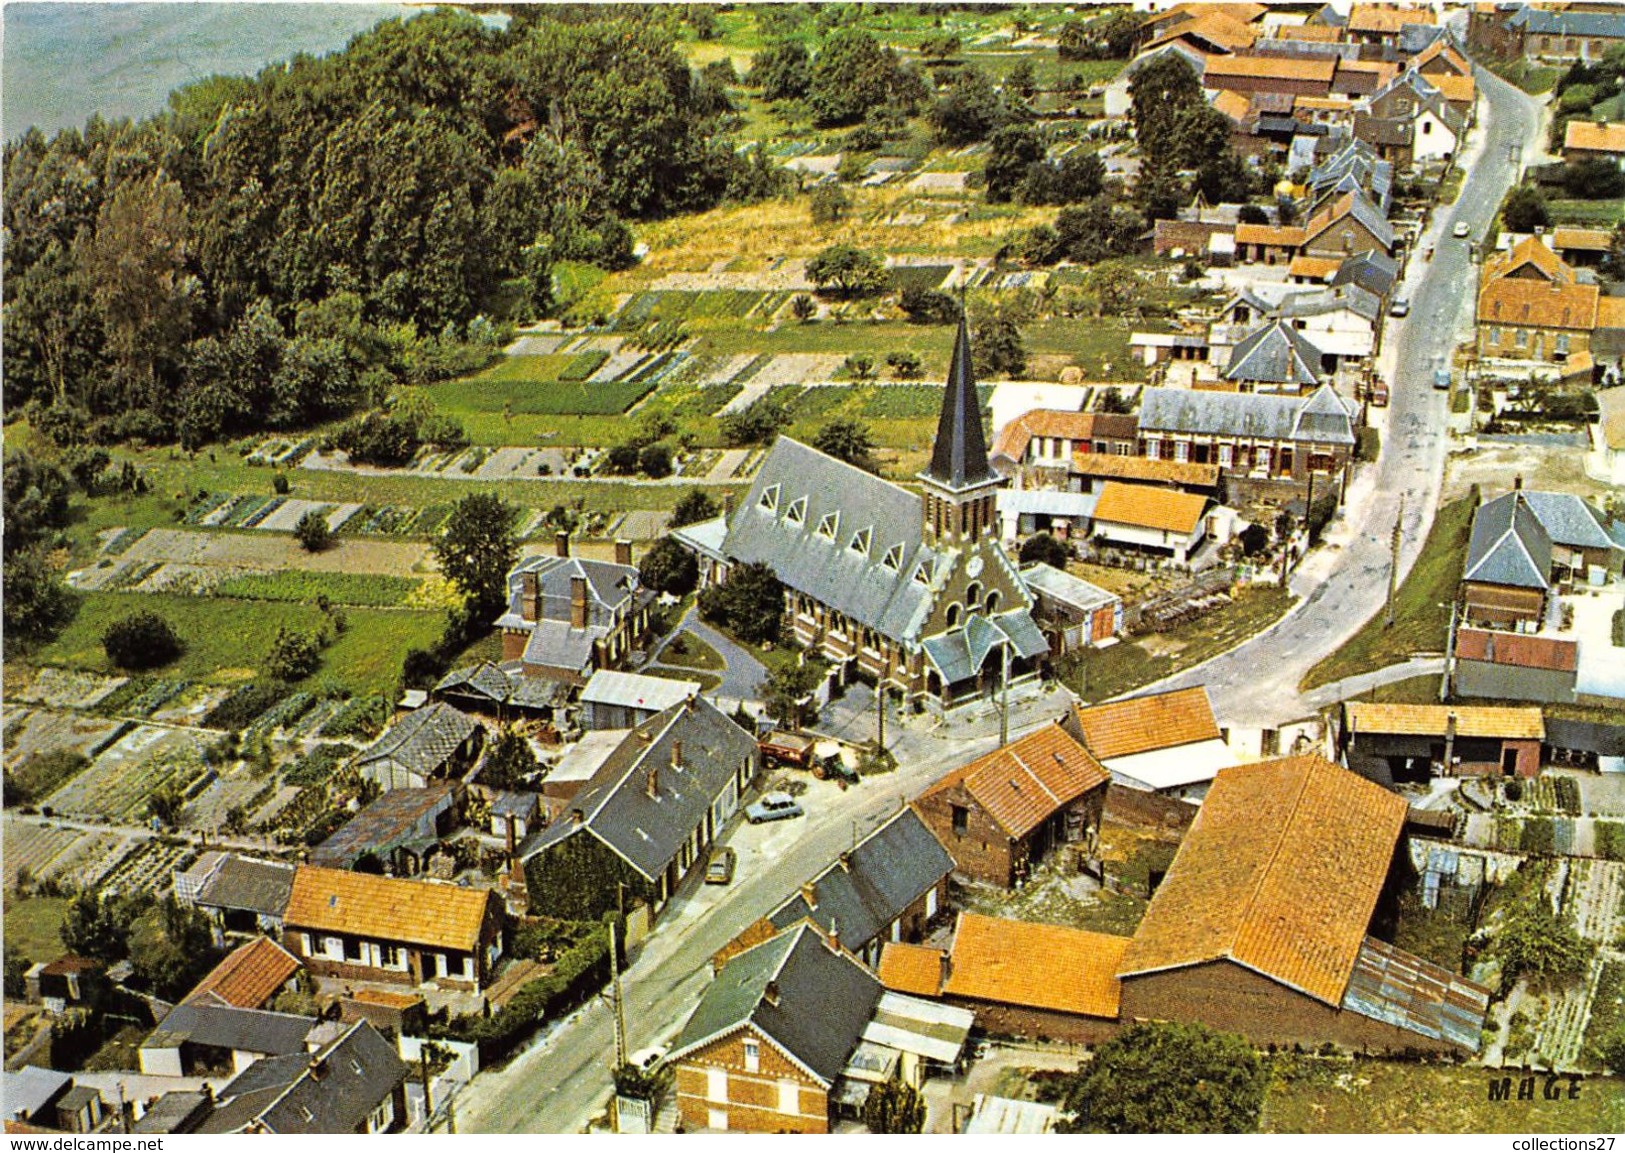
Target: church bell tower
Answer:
pixel 960 486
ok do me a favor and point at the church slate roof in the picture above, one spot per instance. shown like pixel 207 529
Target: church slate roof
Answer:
pixel 959 453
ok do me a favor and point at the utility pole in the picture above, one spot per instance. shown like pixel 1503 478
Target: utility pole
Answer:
pixel 615 971
pixel 1004 698
pixel 1393 561
pixel 1449 657
pixel 880 714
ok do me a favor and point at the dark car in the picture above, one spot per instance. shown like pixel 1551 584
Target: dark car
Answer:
pixel 720 869
pixel 773 807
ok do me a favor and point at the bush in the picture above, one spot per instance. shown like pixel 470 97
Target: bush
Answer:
pixel 312 532
pixel 655 461
pixel 579 972
pixel 142 640
pixel 1042 548
pixel 669 568
pixel 1367 444
pixel 294 654
pixel 279 484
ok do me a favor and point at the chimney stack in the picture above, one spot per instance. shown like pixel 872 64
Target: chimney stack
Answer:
pixel 834 936
pixel 623 553
pixel 809 893
pixel 677 755
pixel 578 602
pixel 771 993
pixel 654 781
pixel 530 597
pixel 561 543
pixel 512 841
pixel 1517 482
pixel 577 816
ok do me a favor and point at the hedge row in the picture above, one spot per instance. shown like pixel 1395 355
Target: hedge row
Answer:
pixel 579 973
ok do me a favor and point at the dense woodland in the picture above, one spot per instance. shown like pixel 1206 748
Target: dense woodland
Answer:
pixel 283 249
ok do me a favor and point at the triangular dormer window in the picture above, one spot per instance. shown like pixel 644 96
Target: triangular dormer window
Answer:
pixel 770 498
pixel 860 541
pixel 922 574
pixel 798 510
pixel 830 525
pixel 894 558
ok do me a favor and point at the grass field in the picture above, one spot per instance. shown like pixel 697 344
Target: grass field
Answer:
pixel 32 926
pixel 1309 1095
pixel 304 587
pixel 1533 79
pixel 227 639
pixel 690 652
pixel 1592 213
pixel 1105 673
pixel 1421 607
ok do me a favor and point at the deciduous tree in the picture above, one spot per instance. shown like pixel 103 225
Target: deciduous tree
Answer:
pixel 1164 1077
pixel 478 548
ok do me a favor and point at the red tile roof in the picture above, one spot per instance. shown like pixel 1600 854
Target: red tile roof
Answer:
pixel 912 969
pixel 1524 652
pixel 1141 724
pixel 1035 966
pixel 1020 785
pixel 249 976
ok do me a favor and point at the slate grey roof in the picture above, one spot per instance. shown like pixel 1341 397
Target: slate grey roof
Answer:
pixel 1319 301
pixel 423 740
pixel 609 586
pixel 706 537
pixel 557 645
pixel 1540 20
pixel 175 1112
pixel 1353 166
pixel 648 832
pixel 824 999
pixel 958 655
pixel 1372 271
pixel 858 584
pixel 482 680
pixel 1245 414
pixel 244 883
pixel 1415 38
pixel 959 453
pixel 221 1027
pixel 1567 519
pixel 1368 214
pixel 31 1089
pixel 1508 546
pixel 1426 95
pixel 870 887
pixel 395 818
pixel 351 1078
pixel 1274 353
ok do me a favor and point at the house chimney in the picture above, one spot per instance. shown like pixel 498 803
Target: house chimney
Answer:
pixel 654 782
pixel 770 994
pixel 512 840
pixel 318 1067
pixel 530 597
pixel 1517 481
pixel 727 502
pixel 577 816
pixel 1449 741
pixel 846 862
pixel 677 755
pixel 561 543
pixel 809 893
pixel 623 553
pixel 578 602
pixel 834 936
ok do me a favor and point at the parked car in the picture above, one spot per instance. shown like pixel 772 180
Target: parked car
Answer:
pixel 1461 230
pixel 773 807
pixel 1378 394
pixel 720 869
pixel 1400 307
pixel 1441 379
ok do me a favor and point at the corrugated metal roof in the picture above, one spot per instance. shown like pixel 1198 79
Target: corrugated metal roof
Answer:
pixel 1398 988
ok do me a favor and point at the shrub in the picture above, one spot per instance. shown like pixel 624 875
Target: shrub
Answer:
pixel 312 532
pixel 142 640
pixel 279 484
pixel 1042 548
pixel 294 654
pixel 655 461
pixel 669 568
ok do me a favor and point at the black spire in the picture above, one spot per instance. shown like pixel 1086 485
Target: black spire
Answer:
pixel 959 455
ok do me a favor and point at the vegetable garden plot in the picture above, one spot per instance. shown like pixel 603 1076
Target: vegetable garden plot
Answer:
pixel 281 451
pixel 918 276
pixel 124 777
pixel 37 731
pixel 148 868
pixel 191 705
pixel 235 788
pixel 65 688
pixel 35 849
pixel 363 589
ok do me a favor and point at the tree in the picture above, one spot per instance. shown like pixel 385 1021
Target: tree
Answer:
pixel 97 927
pixel 849 440
pixel 16 974
pixel 783 71
pixel 968 110
pixel 477 550
pixel 312 532
pixel 142 640
pixel 171 948
pixel 1612 1052
pixel 750 605
pixel 1022 79
pixel 692 507
pixel 654 461
pixel 830 204
pixel 1160 91
pixel 803 307
pixel 939 48
pixel 509 761
pixel 1594 179
pixel 1077 176
pixel 294 654
pixel 756 423
pixel 894 1107
pixel 1011 154
pixel 928 306
pixel 37 603
pixel 1158 190
pixel 1096 230
pixel 997 350
pixel 1525 210
pixel 905 365
pixel 1165 1077
pixel 787 686
pixel 668 567
pixel 1115 287
pixel 1043 548
pixel 36 500
pixel 1109 37
pixel 849 272
pixel 853 73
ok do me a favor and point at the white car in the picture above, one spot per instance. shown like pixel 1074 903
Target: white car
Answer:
pixel 1461 230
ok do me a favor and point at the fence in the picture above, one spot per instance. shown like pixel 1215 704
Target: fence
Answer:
pixel 1184 603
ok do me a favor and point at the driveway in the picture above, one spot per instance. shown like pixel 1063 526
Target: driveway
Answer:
pixel 742 676
pixel 1345 582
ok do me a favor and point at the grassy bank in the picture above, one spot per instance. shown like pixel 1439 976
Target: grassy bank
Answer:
pixel 1421 606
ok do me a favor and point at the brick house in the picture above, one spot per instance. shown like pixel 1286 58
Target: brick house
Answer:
pixel 771 1036
pixel 1073 613
pixel 362 927
pixel 1401 743
pixel 1346 225
pixel 1585 140
pixel 999 814
pixel 1261 926
pixel 1147 518
pixel 1525 546
pixel 1168 743
pixel 1282 74
pixel 1567 37
pixel 1531 308
pixel 570 616
pixel 1045 982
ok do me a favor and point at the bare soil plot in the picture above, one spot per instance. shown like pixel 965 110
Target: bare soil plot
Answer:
pixel 538 345
pixel 1494 465
pixel 60 688
pixel 271 553
pixel 192 705
pixel 150 868
pixel 644 525
pixel 34 849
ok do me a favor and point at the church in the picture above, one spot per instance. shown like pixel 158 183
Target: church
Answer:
pixel 909 589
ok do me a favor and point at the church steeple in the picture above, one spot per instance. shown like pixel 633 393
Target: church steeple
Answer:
pixel 959 484
pixel 959 456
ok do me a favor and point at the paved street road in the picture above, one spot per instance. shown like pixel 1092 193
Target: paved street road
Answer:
pixel 1346 584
